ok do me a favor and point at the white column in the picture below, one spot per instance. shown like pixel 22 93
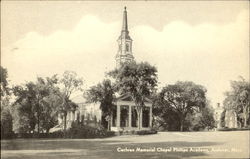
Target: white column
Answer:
pixel 68 116
pixel 150 117
pixel 235 120
pixel 60 119
pixel 73 115
pixel 76 114
pixel 63 118
pixel 140 120
pixel 118 112
pixel 111 120
pixel 129 116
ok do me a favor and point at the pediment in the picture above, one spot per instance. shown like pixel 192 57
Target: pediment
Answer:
pixel 125 98
pixel 128 98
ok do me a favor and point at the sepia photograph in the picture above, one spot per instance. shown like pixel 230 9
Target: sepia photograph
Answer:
pixel 125 79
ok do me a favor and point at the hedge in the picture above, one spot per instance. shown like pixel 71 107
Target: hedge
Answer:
pixel 77 131
pixel 146 132
pixel 84 131
pixel 233 129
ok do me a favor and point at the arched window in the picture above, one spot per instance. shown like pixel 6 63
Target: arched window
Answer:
pixel 127 47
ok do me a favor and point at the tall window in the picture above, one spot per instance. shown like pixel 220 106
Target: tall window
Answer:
pixel 114 118
pixel 127 47
pixel 145 117
pixel 124 116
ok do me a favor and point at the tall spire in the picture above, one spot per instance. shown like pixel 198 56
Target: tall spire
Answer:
pixel 124 54
pixel 125 21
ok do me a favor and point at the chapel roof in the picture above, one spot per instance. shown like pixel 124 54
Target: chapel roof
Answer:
pixel 127 97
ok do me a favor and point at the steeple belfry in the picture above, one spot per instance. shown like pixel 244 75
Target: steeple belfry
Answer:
pixel 124 54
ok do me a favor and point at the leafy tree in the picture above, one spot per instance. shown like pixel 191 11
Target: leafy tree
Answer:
pixel 182 98
pixel 23 122
pixel 6 118
pixel 34 102
pixel 166 119
pixel 103 93
pixel 70 83
pixel 203 119
pixel 4 89
pixel 138 80
pixel 50 104
pixel 239 99
pixel 40 92
pixel 24 116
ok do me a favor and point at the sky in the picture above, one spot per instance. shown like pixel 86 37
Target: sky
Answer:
pixel 200 41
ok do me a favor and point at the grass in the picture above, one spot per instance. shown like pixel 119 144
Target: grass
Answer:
pixel 107 148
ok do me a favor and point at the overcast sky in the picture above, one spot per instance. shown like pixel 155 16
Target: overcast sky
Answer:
pixel 204 42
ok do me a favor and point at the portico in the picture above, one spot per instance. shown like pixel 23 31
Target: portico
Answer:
pixel 125 116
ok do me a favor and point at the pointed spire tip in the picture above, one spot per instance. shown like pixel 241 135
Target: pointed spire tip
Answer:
pixel 125 23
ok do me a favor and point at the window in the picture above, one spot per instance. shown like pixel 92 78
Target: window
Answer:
pixel 127 47
pixel 114 118
pixel 124 116
pixel 145 117
pixel 134 117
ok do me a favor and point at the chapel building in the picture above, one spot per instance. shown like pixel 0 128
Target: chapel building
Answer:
pixel 125 116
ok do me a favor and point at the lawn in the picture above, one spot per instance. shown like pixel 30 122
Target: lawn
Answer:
pixel 233 144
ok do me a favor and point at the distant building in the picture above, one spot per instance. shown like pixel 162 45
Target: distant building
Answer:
pixel 88 113
pixel 217 115
pixel 231 119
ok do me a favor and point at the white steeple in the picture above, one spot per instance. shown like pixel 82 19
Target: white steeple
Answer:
pixel 124 54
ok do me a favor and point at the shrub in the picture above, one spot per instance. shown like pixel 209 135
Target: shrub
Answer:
pixel 58 134
pixel 233 129
pixel 76 131
pixel 146 132
pixel 7 135
pixel 85 131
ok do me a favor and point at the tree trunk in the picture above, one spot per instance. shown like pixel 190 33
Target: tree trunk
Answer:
pixel 245 116
pixel 139 118
pixel 245 119
pixel 139 121
pixel 38 124
pixel 181 122
pixel 108 124
pixel 65 123
pixel 182 119
pixel 181 127
pixel 38 116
